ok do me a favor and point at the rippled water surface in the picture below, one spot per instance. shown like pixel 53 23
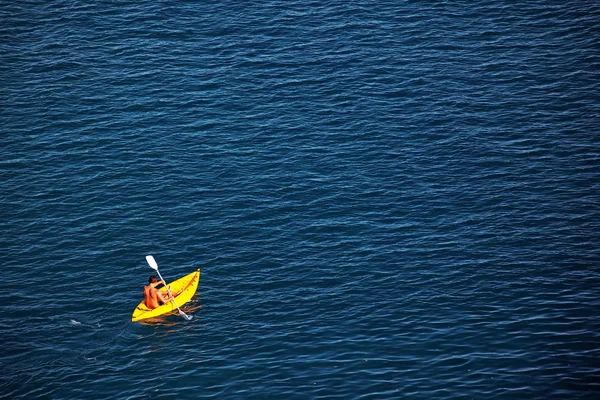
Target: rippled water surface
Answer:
pixel 386 199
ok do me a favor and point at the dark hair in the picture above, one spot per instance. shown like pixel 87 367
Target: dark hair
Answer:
pixel 152 279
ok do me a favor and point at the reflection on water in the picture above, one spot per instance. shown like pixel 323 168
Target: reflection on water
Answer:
pixel 172 322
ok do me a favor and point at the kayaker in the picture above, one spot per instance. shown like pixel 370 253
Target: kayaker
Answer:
pixel 154 297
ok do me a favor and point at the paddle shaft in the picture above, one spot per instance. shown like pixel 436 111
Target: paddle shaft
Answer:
pixel 171 294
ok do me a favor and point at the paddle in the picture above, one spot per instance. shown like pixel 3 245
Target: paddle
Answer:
pixel 154 266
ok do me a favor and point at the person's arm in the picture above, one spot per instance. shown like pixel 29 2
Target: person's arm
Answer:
pixel 156 284
pixel 164 297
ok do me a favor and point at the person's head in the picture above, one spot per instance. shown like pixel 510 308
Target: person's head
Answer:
pixel 152 279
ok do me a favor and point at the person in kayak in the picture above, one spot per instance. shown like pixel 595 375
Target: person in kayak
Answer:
pixel 154 297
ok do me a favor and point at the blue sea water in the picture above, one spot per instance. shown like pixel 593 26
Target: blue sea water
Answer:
pixel 386 199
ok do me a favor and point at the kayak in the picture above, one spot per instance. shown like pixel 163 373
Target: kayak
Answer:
pixel 188 284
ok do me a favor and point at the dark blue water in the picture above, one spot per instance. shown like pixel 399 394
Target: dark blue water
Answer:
pixel 386 199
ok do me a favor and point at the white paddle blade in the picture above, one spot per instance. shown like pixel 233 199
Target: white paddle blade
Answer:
pixel 184 315
pixel 152 262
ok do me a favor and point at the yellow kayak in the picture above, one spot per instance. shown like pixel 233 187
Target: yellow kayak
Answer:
pixel 188 284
